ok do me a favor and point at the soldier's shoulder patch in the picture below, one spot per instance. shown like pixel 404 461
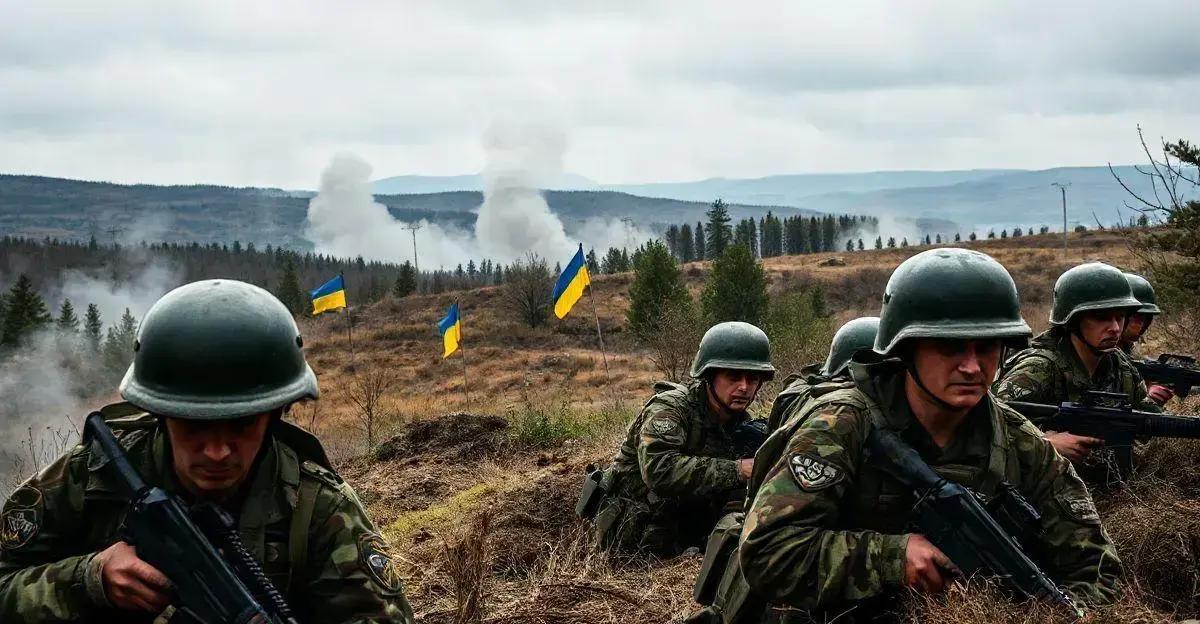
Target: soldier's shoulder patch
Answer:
pixel 1079 506
pixel 375 557
pixel 22 518
pixel 813 473
pixel 662 425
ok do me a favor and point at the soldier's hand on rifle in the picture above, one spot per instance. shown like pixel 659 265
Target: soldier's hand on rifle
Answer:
pixel 745 467
pixel 1160 394
pixel 1073 447
pixel 131 583
pixel 926 568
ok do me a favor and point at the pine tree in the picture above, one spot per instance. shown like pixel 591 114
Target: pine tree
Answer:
pixel 672 239
pixel 957 237
pixel 736 289
pixel 657 287
pixel 849 244
pixel 93 326
pixel 289 291
pixel 904 242
pixel 972 236
pixel 68 321
pixel 26 312
pixel 878 242
pixel 593 265
pixel 700 252
pixel 828 234
pixel 687 244
pixel 612 261
pixel 471 270
pixel 406 281
pixel 860 245
pixel 719 232
pixel 118 344
pixel 891 242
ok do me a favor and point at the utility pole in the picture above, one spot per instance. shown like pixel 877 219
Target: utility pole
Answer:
pixel 416 268
pixel 1063 188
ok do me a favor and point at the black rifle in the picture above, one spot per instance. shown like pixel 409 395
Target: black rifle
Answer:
pixel 167 537
pixel 748 436
pixel 1175 370
pixel 954 520
pixel 1109 416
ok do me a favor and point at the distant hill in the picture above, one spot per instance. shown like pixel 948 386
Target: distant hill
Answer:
pixel 73 209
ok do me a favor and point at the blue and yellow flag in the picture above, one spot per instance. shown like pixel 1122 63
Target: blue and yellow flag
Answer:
pixel 569 287
pixel 329 296
pixel 451 330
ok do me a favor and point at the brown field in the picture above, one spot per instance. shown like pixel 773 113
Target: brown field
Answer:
pixel 476 490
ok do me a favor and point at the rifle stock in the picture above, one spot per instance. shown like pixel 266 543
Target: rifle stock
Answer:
pixel 162 531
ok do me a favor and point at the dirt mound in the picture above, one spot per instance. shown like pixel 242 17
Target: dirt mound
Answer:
pixel 530 518
pixel 457 436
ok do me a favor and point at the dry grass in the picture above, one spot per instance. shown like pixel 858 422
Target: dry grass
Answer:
pixel 478 498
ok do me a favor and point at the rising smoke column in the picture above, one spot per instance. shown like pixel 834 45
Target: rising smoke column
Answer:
pixel 522 158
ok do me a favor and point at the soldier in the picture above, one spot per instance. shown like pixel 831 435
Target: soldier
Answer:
pixel 679 466
pixel 826 532
pixel 854 336
pixel 1080 351
pixel 216 365
pixel 1137 326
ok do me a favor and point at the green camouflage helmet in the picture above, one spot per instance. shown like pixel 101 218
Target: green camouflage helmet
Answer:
pixel 1091 286
pixel 1144 292
pixel 217 349
pixel 950 293
pixel 854 336
pixel 734 345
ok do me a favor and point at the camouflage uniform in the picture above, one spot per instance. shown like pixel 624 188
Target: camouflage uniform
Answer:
pixel 1050 372
pixel 57 521
pixel 672 477
pixel 796 389
pixel 826 529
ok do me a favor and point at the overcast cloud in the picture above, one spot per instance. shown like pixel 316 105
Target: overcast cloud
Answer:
pixel 258 93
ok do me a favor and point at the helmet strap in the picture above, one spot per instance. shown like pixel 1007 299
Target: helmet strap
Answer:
pixel 912 372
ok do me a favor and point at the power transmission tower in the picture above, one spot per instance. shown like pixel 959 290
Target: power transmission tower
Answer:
pixel 1063 187
pixel 628 221
pixel 416 268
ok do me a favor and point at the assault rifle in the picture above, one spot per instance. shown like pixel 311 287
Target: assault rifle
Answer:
pixel 211 590
pixel 1175 370
pixel 1109 416
pixel 976 536
pixel 748 436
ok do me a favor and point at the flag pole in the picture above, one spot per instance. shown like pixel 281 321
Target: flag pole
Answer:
pixel 603 353
pixel 463 349
pixel 349 321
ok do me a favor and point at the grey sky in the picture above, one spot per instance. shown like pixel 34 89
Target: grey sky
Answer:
pixel 256 93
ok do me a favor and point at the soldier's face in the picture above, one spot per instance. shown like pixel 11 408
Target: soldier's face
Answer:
pixel 957 371
pixel 1135 328
pixel 735 389
pixel 1102 328
pixel 212 458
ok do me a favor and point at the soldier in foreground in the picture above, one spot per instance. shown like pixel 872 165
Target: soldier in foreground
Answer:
pixel 679 467
pixel 216 365
pixel 826 532
pixel 854 336
pixel 1080 351
pixel 1137 326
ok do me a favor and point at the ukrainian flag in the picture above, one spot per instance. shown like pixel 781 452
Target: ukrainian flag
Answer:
pixel 329 296
pixel 451 330
pixel 569 287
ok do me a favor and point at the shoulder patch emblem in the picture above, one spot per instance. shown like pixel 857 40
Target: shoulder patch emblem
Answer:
pixel 376 559
pixel 662 425
pixel 813 473
pixel 1079 507
pixel 18 527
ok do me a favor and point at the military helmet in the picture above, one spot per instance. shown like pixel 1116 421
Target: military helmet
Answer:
pixel 1143 292
pixel 217 349
pixel 734 345
pixel 950 293
pixel 854 336
pixel 1091 286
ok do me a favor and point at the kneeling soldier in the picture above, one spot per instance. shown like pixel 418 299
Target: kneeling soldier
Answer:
pixel 828 530
pixel 854 336
pixel 216 364
pixel 681 466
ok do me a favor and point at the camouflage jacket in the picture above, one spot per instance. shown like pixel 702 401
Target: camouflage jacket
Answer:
pixel 676 448
pixel 796 390
pixel 827 529
pixel 55 523
pixel 1050 372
